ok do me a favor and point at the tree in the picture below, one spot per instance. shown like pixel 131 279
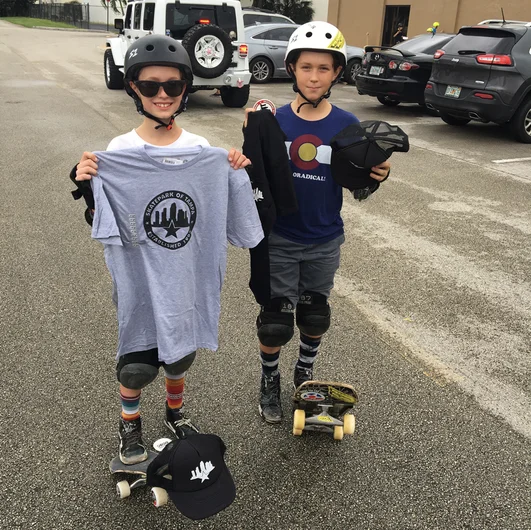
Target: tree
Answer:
pixel 116 5
pixel 15 8
pixel 300 11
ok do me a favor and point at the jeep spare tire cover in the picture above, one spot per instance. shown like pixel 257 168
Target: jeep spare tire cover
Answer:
pixel 210 50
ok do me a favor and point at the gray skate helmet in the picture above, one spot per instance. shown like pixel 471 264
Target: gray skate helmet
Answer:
pixel 157 50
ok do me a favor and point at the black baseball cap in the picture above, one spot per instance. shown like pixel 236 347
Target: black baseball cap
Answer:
pixel 360 146
pixel 194 474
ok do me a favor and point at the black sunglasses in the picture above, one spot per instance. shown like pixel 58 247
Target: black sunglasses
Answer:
pixel 150 89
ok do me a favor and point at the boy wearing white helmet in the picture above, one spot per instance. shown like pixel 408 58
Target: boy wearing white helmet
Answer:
pixel 157 76
pixel 304 247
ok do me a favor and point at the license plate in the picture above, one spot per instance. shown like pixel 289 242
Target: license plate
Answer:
pixel 376 70
pixel 452 91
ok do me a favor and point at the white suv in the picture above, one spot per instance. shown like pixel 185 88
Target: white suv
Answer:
pixel 212 33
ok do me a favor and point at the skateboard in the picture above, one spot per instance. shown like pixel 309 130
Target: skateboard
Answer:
pixel 124 487
pixel 324 406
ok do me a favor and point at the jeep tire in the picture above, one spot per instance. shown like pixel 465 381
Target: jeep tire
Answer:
pixel 114 79
pixel 520 123
pixel 210 50
pixel 235 97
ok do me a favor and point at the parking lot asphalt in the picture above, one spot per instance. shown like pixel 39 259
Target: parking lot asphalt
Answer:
pixel 431 313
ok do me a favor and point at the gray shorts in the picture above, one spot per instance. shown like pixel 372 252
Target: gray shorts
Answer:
pixel 296 268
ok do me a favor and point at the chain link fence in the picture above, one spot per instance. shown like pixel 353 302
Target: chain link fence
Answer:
pixel 75 14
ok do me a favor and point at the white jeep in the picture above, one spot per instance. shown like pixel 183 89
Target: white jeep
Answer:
pixel 211 31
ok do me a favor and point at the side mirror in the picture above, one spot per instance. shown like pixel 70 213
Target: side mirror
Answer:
pixel 119 23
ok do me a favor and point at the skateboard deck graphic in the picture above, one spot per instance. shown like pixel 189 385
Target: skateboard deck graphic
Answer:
pixel 324 406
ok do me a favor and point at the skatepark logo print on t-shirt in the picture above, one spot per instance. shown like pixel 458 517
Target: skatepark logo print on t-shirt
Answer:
pixel 169 219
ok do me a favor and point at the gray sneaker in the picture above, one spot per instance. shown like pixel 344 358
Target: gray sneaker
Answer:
pixel 132 448
pixel 301 375
pixel 270 407
pixel 179 424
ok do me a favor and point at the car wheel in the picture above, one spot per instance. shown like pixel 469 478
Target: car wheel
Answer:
pixel 114 79
pixel 453 120
pixel 235 97
pixel 385 100
pixel 261 70
pixel 210 50
pixel 520 123
pixel 353 67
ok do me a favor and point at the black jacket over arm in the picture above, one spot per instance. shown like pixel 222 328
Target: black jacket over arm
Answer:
pixel 274 191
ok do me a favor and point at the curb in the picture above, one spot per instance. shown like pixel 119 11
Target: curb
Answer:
pixel 74 30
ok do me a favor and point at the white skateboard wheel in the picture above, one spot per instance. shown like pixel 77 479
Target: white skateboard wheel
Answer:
pixel 349 423
pixel 338 432
pixel 122 489
pixel 299 419
pixel 159 496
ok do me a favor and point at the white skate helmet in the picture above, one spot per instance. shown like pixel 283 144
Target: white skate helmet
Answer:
pixel 316 36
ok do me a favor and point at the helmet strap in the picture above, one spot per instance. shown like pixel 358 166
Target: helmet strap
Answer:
pixel 314 104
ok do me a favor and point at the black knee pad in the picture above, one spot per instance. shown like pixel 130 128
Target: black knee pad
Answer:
pixel 313 314
pixel 275 323
pixel 179 367
pixel 136 375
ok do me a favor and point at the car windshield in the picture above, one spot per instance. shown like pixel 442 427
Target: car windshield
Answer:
pixel 180 18
pixel 484 40
pixel 423 44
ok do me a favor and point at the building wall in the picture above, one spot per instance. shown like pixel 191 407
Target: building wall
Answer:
pixel 320 8
pixel 98 14
pixel 362 22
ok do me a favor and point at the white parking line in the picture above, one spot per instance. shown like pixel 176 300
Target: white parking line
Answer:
pixel 509 160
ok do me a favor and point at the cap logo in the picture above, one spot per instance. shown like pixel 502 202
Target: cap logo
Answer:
pixel 202 471
pixel 133 53
pixel 337 42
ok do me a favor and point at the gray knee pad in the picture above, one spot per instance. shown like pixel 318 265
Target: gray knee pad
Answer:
pixel 137 375
pixel 181 365
pixel 313 314
pixel 275 323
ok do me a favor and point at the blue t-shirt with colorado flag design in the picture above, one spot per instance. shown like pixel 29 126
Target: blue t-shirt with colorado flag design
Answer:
pixel 320 198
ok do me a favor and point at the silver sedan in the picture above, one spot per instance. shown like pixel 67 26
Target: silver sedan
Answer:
pixel 267 48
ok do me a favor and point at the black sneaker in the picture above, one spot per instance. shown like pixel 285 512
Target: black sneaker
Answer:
pixel 132 448
pixel 178 423
pixel 270 407
pixel 301 375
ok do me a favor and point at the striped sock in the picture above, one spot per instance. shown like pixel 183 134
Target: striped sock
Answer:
pixel 174 390
pixel 269 363
pixel 130 407
pixel 308 349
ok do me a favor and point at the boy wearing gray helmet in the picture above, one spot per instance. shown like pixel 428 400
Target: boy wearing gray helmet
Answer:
pixel 157 74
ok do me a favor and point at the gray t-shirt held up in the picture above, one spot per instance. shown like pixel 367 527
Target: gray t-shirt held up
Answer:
pixel 164 217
